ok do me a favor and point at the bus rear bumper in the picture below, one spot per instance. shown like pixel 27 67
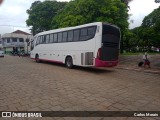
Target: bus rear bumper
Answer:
pixel 100 63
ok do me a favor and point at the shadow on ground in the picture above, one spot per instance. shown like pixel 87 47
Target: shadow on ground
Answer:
pixel 85 69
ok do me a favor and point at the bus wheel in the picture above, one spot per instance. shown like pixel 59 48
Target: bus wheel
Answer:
pixel 37 58
pixel 69 62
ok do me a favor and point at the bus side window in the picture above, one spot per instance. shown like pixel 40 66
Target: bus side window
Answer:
pixel 59 37
pixel 51 38
pixel 38 40
pixel 83 35
pixel 32 45
pixel 43 39
pixel 70 36
pixel 91 32
pixel 55 38
pixel 64 37
pixel 76 35
pixel 47 38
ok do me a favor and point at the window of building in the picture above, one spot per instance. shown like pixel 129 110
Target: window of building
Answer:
pixel 21 40
pixel 14 39
pixel 70 36
pixel 8 40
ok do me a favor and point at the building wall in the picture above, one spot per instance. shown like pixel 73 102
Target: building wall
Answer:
pixel 14 40
pixel 1 47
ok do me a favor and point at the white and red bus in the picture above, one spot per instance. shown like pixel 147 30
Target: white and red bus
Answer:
pixel 94 44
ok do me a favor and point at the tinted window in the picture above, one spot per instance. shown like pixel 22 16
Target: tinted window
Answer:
pixel 59 37
pixel 37 42
pixel 14 39
pixel 84 32
pixel 64 36
pixel 40 40
pixel 21 40
pixel 76 35
pixel 107 29
pixel 91 31
pixel 83 35
pixel 47 38
pixel 110 34
pixel 70 36
pixel 55 37
pixel 44 39
pixel 8 40
pixel 32 45
pixel 51 38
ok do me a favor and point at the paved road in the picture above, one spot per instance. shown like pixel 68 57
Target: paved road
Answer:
pixel 29 86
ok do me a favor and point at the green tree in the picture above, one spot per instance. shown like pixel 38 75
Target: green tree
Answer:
pixel 85 11
pixel 42 13
pixel 151 28
pixel 79 12
pixel 126 2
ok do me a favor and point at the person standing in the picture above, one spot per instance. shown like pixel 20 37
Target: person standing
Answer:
pixel 146 60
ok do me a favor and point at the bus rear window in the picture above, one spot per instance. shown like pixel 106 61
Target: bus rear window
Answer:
pixel 108 29
pixel 110 34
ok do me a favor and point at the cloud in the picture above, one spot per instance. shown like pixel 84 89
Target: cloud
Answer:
pixel 139 9
pixel 13 13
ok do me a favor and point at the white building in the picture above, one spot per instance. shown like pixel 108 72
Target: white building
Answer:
pixel 16 41
pixel 1 47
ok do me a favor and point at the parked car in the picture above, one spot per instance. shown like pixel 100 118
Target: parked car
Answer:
pixel 1 54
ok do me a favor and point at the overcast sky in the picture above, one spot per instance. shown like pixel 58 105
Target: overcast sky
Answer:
pixel 13 13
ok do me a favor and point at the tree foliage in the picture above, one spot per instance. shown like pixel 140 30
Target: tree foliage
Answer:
pixel 145 36
pixel 126 2
pixel 151 28
pixel 42 13
pixel 79 12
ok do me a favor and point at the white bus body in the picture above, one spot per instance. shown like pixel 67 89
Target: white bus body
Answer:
pixel 95 44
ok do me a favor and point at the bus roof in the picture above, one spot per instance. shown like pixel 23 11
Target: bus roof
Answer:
pixel 74 27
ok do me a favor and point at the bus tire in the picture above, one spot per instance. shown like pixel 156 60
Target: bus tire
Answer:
pixel 37 58
pixel 69 62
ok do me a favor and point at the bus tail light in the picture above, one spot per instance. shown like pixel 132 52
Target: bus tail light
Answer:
pixel 99 53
